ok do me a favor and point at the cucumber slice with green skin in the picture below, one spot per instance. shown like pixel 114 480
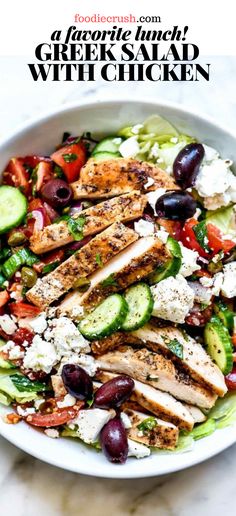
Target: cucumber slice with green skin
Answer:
pixel 219 345
pixel 172 266
pixel 225 314
pixel 13 208
pixel 107 318
pixel 105 156
pixel 140 303
pixel 109 144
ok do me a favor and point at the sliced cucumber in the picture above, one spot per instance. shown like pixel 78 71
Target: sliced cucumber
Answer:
pixel 225 314
pixel 107 318
pixel 172 266
pixel 105 156
pixel 13 208
pixel 140 303
pixel 219 346
pixel 109 144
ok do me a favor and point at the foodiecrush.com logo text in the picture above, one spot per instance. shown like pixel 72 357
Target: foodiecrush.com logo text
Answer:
pixel 119 48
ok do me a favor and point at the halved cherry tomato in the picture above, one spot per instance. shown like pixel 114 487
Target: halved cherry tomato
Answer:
pixel 17 175
pixel 216 241
pixel 188 238
pixel 21 335
pixel 44 173
pixel 24 310
pixel 60 417
pixel 34 160
pixel 230 380
pixel 4 298
pixel 70 158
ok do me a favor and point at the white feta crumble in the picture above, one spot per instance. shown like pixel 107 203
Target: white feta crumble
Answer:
pixel 90 423
pixel 149 182
pixel 15 353
pixel 39 323
pixel 217 283
pixel 216 183
pixel 68 401
pixel 174 139
pixel 40 356
pixel 125 420
pixel 173 298
pixel 86 361
pixel 162 235
pixel 228 288
pixel 52 432
pixel 154 151
pixel 210 154
pixel 7 324
pixel 136 128
pixel 189 261
pixel 137 450
pixel 129 148
pixel 144 228
pixel 153 196
pixel 206 282
pixel 25 412
pixel 66 337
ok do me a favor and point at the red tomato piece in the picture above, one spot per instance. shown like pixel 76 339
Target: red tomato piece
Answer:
pixel 34 160
pixel 44 174
pixel 17 175
pixel 70 158
pixel 24 310
pixel 4 298
pixel 60 417
pixel 230 380
pixel 197 317
pixel 188 238
pixel 21 335
pixel 173 227
pixel 216 240
pixel 234 340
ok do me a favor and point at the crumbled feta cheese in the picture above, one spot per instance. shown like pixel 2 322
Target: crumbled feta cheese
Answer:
pixel 39 324
pixel 210 154
pixel 7 324
pixel 90 423
pixel 217 283
pixel 144 228
pixel 201 294
pixel 206 282
pixel 228 288
pixel 125 420
pixel 52 432
pixel 174 139
pixel 137 450
pixel 153 196
pixel 173 299
pixel 15 353
pixel 40 356
pixel 129 148
pixel 189 261
pixel 86 361
pixel 154 151
pixel 66 337
pixel 149 182
pixel 136 128
pixel 216 183
pixel 25 412
pixel 197 213
pixel 69 401
pixel 162 235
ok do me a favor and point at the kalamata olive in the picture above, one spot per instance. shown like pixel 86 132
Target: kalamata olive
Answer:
pixel 77 382
pixel 187 163
pixel 114 441
pixel 57 193
pixel 114 392
pixel 176 205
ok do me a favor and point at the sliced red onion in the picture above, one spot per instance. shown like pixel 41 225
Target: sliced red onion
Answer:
pixel 201 294
pixel 76 207
pixel 77 245
pixel 53 214
pixel 39 217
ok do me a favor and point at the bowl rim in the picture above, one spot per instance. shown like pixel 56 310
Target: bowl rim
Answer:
pixel 32 123
pixel 35 120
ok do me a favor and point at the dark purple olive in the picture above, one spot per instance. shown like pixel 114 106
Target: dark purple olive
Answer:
pixel 176 205
pixel 114 392
pixel 77 382
pixel 57 193
pixel 114 441
pixel 187 163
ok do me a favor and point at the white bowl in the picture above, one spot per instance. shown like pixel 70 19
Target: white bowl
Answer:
pixel 41 136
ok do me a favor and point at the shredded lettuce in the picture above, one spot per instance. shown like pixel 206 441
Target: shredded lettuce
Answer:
pixel 224 219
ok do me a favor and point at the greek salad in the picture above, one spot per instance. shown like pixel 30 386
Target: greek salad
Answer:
pixel 117 290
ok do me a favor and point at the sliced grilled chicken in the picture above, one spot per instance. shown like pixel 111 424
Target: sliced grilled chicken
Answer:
pixel 158 371
pixel 118 176
pixel 194 358
pixel 160 403
pixel 99 347
pixel 108 243
pixel 138 260
pixel 97 218
pixel 197 414
pixel 162 435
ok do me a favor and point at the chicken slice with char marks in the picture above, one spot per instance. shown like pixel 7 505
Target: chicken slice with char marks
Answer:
pixel 162 435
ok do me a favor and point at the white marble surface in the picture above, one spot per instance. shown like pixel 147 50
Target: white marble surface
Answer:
pixel 29 487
